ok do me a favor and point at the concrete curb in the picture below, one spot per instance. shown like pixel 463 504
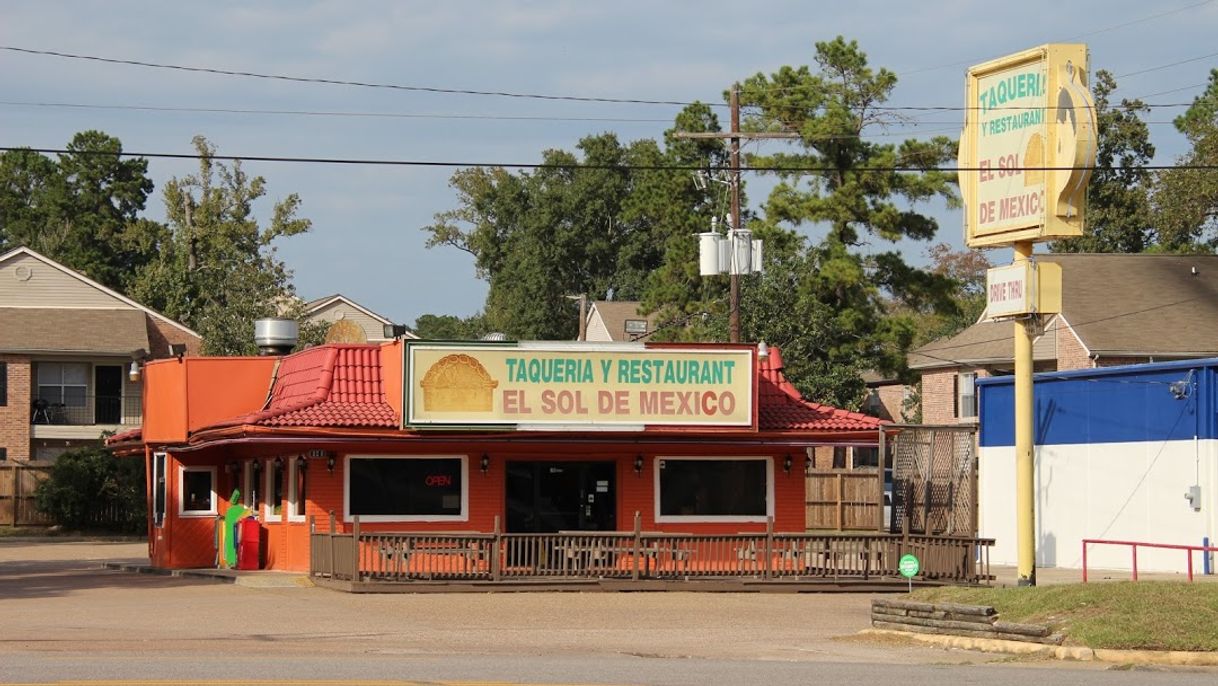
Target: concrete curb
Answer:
pixel 254 580
pixel 1078 653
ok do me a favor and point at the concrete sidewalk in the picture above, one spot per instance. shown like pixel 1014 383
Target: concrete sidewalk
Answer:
pixel 1008 575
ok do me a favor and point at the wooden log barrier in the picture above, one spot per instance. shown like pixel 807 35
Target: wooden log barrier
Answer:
pixel 951 619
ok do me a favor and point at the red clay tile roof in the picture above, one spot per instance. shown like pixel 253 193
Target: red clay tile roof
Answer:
pixel 339 385
pixel 782 408
pixel 330 385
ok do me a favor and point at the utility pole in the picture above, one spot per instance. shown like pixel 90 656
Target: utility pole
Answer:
pixel 734 136
pixel 733 320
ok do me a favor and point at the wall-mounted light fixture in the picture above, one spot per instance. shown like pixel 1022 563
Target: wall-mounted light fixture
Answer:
pixel 278 462
pixel 485 463
pixel 302 464
pixel 318 454
pixel 394 331
pixel 638 465
pixel 786 463
pixel 136 370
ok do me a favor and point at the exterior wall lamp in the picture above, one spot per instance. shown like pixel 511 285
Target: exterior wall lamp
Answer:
pixel 302 464
pixel 786 464
pixel 136 370
pixel 394 331
pixel 638 465
pixel 317 454
pixel 485 463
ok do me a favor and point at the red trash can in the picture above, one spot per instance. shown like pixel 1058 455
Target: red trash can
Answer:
pixel 249 544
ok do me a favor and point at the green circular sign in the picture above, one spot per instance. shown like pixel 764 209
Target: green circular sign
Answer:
pixel 908 566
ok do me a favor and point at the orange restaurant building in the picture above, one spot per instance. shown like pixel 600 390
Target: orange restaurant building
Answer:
pixel 531 437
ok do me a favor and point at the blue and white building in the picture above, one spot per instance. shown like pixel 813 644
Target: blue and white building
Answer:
pixel 1122 453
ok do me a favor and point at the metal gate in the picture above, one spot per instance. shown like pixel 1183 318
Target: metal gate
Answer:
pixel 934 480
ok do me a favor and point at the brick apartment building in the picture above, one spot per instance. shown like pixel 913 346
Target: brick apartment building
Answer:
pixel 67 344
pixel 1116 310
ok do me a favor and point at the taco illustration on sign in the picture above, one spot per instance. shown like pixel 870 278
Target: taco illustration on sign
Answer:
pixel 458 383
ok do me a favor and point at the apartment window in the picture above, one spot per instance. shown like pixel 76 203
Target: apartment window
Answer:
pixel 63 383
pixel 197 491
pixel 3 384
pixel 840 457
pixel 407 488
pixel 3 454
pixel 966 395
pixel 714 489
pixel 865 457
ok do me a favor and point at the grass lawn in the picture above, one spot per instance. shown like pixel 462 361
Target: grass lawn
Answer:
pixel 1149 615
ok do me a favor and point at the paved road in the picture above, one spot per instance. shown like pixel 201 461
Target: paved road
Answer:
pixel 64 618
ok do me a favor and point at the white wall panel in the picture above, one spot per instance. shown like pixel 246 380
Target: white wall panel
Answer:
pixel 1114 491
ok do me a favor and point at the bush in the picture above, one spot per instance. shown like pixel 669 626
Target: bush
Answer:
pixel 90 488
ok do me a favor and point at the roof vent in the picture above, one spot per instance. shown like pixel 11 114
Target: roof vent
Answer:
pixel 276 336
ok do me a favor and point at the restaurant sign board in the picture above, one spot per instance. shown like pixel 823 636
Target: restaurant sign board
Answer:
pixel 1028 146
pixel 1023 288
pixel 540 386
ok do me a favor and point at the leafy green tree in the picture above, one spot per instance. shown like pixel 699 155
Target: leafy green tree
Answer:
pixel 88 484
pixel 1186 196
pixel 80 209
pixel 967 269
pixel 446 327
pixel 217 270
pixel 609 219
pixel 827 301
pixel 1118 195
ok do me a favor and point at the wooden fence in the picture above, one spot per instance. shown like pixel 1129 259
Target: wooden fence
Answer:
pixel 18 482
pixel 371 557
pixel 843 500
pixel 17 485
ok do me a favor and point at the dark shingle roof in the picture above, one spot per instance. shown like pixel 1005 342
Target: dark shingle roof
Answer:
pixel 37 329
pixel 1129 305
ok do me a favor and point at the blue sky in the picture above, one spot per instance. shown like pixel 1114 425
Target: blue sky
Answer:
pixel 366 240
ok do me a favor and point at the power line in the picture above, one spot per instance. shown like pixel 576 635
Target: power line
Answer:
pixel 344 82
pixel 1074 325
pixel 505 94
pixel 1079 36
pixel 1166 66
pixel 324 113
pixel 792 169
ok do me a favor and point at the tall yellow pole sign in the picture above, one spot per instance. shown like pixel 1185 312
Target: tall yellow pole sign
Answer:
pixel 1027 147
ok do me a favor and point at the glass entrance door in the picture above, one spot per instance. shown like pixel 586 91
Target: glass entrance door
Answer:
pixel 545 497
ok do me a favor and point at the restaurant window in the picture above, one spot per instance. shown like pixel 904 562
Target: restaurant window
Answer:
pixel 197 491
pixel 966 394
pixel 719 489
pixel 63 383
pixel 274 488
pixel 298 489
pixel 406 488
pixel 252 493
pixel 158 488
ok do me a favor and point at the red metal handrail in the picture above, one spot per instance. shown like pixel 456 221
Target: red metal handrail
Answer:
pixel 1134 545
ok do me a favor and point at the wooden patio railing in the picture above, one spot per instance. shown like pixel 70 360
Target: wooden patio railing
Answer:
pixel 459 556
